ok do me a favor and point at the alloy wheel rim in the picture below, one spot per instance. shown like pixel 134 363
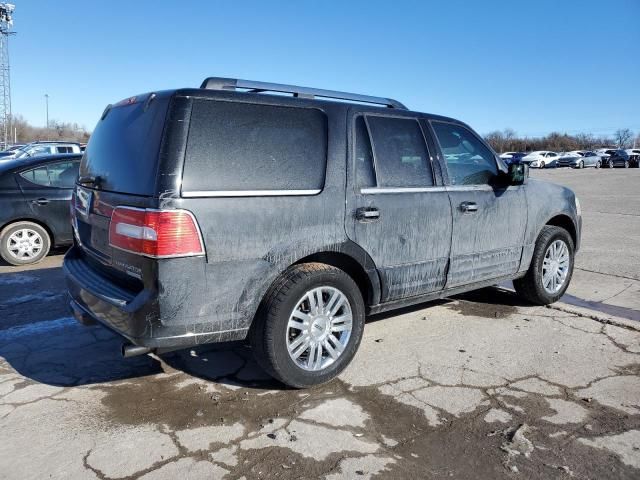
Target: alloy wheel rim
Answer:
pixel 555 266
pixel 24 244
pixel 319 328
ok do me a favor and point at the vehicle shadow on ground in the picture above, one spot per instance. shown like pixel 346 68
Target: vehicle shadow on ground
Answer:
pixel 62 352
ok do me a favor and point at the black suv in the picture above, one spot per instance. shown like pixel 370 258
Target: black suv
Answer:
pixel 616 158
pixel 221 213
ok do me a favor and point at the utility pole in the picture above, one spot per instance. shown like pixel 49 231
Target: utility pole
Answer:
pixel 6 22
pixel 46 104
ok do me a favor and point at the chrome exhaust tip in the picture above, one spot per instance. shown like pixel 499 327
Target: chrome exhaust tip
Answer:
pixel 129 350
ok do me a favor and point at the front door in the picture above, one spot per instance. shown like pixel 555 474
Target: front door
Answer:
pixel 397 208
pixel 488 222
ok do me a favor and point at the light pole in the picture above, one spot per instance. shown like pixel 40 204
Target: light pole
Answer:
pixel 46 102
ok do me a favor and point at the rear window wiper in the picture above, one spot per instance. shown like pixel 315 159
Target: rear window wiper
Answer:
pixel 89 180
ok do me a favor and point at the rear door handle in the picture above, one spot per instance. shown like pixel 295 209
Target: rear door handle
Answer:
pixel 469 207
pixel 40 201
pixel 367 214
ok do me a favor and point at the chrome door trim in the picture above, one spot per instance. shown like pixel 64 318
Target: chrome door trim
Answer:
pixel 247 193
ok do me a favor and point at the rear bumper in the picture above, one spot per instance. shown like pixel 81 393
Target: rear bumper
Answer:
pixel 136 317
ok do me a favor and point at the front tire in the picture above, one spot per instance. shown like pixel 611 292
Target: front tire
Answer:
pixel 598 164
pixel 611 164
pixel 541 164
pixel 551 267
pixel 309 325
pixel 581 164
pixel 24 243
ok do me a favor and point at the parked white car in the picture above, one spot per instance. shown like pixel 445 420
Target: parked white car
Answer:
pixel 541 159
pixel 634 157
pixel 44 148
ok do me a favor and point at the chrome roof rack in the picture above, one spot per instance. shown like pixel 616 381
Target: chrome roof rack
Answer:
pixel 251 86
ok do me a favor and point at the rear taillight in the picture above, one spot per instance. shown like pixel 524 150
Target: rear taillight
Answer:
pixel 155 233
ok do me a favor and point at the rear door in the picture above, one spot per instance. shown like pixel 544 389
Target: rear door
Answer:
pixel 488 221
pixel 397 208
pixel 47 190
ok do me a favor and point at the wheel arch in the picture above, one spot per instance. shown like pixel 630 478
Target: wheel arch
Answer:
pixel 565 221
pixel 367 280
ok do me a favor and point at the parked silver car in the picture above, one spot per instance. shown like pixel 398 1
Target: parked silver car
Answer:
pixel 580 159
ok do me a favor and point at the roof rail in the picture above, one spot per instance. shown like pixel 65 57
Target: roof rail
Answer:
pixel 251 86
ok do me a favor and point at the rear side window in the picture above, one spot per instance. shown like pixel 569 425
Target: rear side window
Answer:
pixel 236 146
pixel 39 176
pixel 401 156
pixel 60 175
pixel 469 161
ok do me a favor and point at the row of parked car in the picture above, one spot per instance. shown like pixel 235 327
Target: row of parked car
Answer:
pixel 33 149
pixel 604 157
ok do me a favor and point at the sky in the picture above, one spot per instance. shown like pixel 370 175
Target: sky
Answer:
pixel 533 66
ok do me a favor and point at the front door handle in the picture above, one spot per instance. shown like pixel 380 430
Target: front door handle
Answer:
pixel 469 207
pixel 40 201
pixel 367 214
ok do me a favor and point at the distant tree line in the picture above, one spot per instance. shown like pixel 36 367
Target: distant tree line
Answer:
pixel 508 141
pixel 59 131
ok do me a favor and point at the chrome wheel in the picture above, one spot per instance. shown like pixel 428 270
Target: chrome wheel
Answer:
pixel 319 328
pixel 25 244
pixel 555 266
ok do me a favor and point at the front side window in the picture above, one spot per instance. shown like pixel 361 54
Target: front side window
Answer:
pixel 469 161
pixel 401 156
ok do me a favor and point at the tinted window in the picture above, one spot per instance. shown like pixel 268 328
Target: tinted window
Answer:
pixel 401 156
pixel 365 176
pixel 123 149
pixel 39 176
pixel 241 146
pixel 469 161
pixel 63 174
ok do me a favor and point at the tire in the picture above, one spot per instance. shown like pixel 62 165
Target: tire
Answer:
pixel 598 164
pixel 626 164
pixel 581 164
pixel 541 164
pixel 531 286
pixel 611 165
pixel 272 336
pixel 16 251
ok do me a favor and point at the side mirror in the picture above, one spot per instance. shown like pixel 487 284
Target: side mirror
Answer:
pixel 518 173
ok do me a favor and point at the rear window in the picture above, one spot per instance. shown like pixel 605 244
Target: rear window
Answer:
pixel 236 146
pixel 123 149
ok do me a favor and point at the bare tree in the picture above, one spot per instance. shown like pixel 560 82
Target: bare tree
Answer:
pixel 623 137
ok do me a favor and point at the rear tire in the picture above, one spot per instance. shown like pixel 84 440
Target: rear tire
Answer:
pixel 598 164
pixel 626 164
pixel 297 317
pixel 581 164
pixel 24 243
pixel 532 286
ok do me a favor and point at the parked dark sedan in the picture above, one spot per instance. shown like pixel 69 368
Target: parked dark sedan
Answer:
pixel 616 158
pixel 34 206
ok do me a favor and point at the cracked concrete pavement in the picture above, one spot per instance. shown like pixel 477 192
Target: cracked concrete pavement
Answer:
pixel 478 386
